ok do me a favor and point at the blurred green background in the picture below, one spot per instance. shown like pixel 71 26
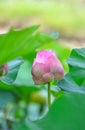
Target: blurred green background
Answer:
pixel 22 99
pixel 64 16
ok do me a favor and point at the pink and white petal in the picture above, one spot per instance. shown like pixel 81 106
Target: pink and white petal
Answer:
pixel 43 55
pixel 48 77
pixel 56 67
pixel 58 75
pixel 37 81
pixel 37 70
pixel 51 62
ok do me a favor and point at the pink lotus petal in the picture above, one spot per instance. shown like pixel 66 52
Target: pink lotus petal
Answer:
pixel 48 77
pixel 37 81
pixel 46 67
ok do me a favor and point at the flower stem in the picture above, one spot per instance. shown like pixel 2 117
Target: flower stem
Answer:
pixel 49 95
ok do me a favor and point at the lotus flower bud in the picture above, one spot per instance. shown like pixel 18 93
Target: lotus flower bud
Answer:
pixel 46 67
pixel 3 70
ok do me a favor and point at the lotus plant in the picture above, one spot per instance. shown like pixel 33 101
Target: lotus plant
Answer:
pixel 46 67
